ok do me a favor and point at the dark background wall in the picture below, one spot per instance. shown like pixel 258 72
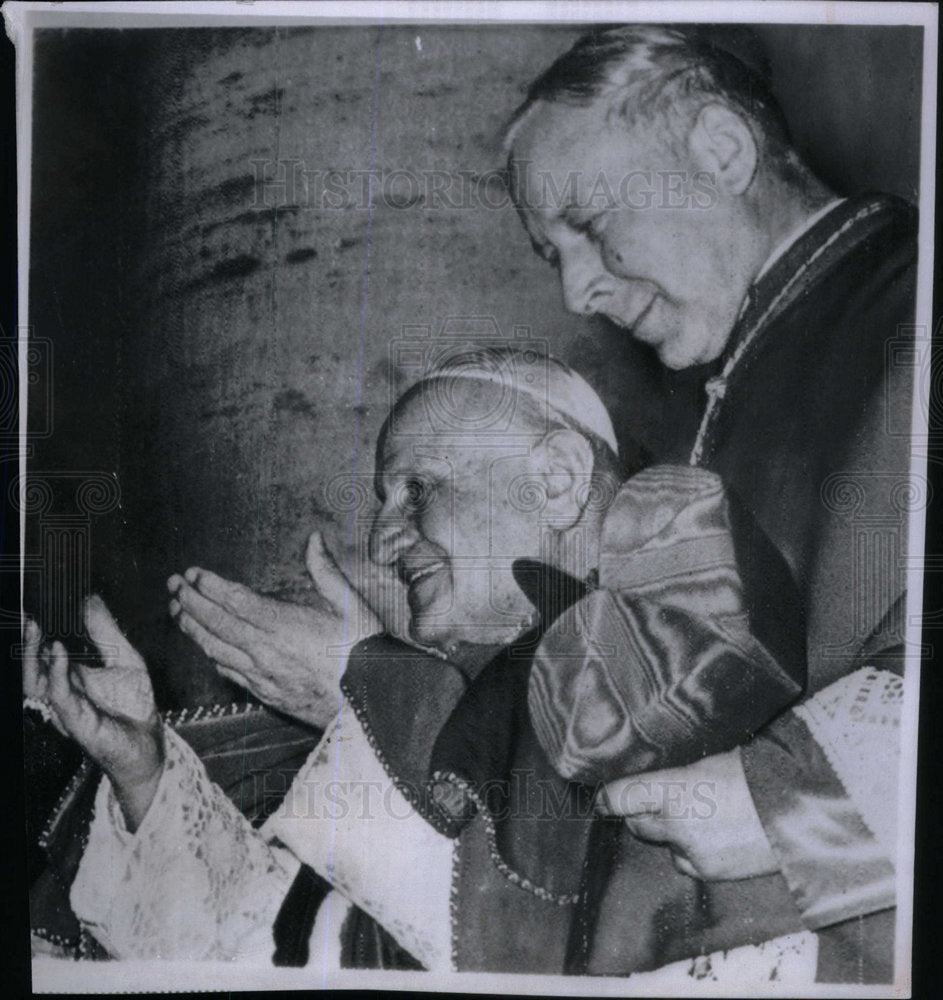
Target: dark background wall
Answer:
pixel 222 340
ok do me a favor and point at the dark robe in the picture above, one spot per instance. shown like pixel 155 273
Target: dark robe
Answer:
pixel 540 883
pixel 812 436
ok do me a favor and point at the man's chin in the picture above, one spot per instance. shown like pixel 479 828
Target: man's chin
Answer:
pixel 669 347
pixel 431 634
pixel 683 864
pixel 454 643
pixel 676 355
pixel 687 348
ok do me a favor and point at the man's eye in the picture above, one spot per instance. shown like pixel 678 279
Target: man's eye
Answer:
pixel 414 495
pixel 591 227
pixel 547 251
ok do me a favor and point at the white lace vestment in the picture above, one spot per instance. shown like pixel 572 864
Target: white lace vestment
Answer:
pixel 196 881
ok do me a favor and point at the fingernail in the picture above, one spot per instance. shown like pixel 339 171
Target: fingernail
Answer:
pixel 174 582
pixel 174 608
pixel 191 574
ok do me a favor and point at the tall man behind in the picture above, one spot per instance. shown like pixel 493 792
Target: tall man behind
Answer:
pixel 751 263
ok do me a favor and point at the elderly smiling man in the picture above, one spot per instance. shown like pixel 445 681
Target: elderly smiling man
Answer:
pixel 749 264
pixel 800 301
pixel 437 770
pixel 795 298
pixel 655 172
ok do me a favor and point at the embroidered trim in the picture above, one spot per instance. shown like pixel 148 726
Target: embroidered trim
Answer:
pixel 514 877
pixel 174 719
pixel 717 387
pixel 453 901
pixel 70 789
pixel 829 717
pixel 427 810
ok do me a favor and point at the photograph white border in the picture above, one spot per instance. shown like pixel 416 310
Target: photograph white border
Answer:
pixel 21 18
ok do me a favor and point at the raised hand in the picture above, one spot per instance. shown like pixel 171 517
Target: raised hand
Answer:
pixel 289 656
pixel 109 710
pixel 703 812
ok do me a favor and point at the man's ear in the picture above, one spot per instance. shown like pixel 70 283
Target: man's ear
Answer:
pixel 722 143
pixel 563 462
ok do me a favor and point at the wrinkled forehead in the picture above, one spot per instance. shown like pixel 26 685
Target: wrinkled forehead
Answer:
pixel 471 416
pixel 564 155
pixel 408 421
pixel 549 130
pixel 545 146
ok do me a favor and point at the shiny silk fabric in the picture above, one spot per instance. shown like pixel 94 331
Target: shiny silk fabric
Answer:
pixel 659 666
pixel 540 884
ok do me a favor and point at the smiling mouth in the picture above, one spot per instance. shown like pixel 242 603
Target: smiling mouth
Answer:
pixel 637 322
pixel 633 326
pixel 412 575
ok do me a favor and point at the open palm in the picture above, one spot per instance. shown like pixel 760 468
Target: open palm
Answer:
pixel 109 710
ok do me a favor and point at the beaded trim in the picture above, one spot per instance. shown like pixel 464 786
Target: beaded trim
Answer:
pixel 177 718
pixel 50 937
pixel 90 948
pixel 172 719
pixel 717 387
pixel 453 900
pixel 82 948
pixel 427 810
pixel 514 877
pixel 70 789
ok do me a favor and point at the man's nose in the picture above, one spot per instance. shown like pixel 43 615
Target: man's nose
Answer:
pixel 586 283
pixel 391 534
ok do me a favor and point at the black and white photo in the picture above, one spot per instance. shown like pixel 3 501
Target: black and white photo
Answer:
pixel 473 477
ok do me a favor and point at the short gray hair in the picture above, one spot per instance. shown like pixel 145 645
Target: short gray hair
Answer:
pixel 650 72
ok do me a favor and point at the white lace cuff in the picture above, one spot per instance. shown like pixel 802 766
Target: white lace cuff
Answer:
pixel 856 722
pixel 195 881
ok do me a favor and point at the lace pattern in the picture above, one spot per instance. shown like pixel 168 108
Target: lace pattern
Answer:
pixel 856 721
pixel 195 881
pixel 345 818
